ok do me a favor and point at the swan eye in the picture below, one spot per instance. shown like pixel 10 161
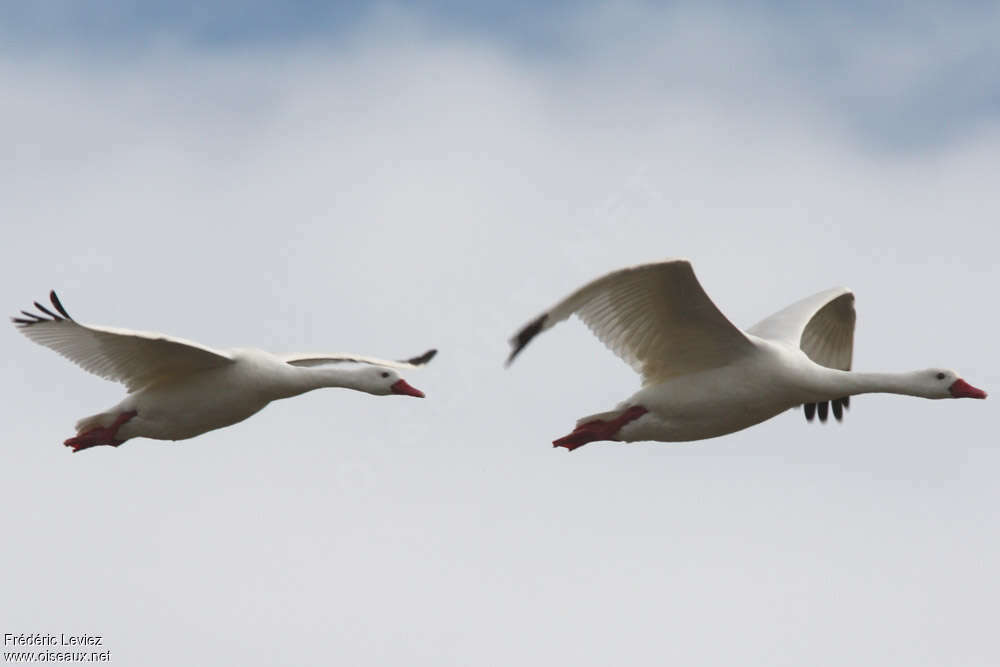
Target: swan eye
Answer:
pixel 385 374
pixel 940 376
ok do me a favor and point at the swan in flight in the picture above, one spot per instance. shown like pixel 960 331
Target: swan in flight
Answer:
pixel 702 377
pixel 178 389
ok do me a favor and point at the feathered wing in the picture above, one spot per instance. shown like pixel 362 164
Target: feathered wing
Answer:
pixel 822 326
pixel 656 317
pixel 134 358
pixel 323 359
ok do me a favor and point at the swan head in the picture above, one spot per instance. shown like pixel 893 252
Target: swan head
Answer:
pixel 382 381
pixel 944 383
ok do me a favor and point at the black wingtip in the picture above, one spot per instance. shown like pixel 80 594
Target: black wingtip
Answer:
pixel 35 318
pixel 58 304
pixel 48 312
pixel 524 337
pixel 823 409
pixel 838 409
pixel 423 358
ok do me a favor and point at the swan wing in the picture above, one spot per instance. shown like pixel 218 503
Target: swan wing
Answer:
pixel 821 325
pixel 134 358
pixel 656 317
pixel 324 359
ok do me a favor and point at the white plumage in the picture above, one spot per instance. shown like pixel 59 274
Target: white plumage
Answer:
pixel 179 389
pixel 703 377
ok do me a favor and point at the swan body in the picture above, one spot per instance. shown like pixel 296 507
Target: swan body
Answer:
pixel 179 389
pixel 702 376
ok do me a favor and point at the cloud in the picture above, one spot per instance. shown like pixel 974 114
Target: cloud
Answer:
pixel 912 77
pixel 410 185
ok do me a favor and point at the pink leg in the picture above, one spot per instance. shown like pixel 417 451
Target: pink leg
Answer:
pixel 598 429
pixel 101 435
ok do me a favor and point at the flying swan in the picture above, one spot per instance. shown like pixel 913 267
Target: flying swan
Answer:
pixel 178 389
pixel 702 377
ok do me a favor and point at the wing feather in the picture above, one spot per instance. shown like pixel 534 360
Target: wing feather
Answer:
pixel 822 326
pixel 656 317
pixel 134 358
pixel 323 359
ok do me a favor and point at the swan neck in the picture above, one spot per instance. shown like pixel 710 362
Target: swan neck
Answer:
pixel 850 383
pixel 307 379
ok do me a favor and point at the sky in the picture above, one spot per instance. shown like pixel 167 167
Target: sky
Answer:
pixel 382 179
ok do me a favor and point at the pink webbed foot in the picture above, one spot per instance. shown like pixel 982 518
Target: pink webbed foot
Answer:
pixel 101 435
pixel 599 429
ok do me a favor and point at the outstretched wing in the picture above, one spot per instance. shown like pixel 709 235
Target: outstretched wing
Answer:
pixel 656 317
pixel 822 326
pixel 323 359
pixel 134 358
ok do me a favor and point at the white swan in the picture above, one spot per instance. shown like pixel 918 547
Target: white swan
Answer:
pixel 179 389
pixel 702 377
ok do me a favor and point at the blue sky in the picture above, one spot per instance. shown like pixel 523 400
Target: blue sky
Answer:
pixel 236 24
pixel 910 76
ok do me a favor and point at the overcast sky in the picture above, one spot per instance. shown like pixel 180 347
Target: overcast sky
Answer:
pixel 380 180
